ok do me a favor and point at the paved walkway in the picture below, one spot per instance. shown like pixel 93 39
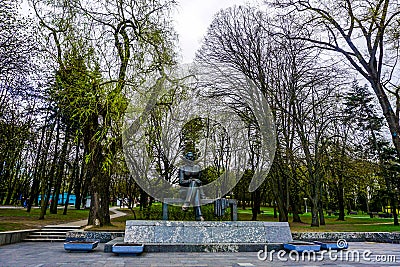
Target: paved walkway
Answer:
pixel 34 254
pixel 53 254
pixel 83 223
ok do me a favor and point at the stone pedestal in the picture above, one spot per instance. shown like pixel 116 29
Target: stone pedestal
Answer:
pixel 210 232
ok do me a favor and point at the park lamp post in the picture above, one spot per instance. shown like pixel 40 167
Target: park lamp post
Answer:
pixel 305 203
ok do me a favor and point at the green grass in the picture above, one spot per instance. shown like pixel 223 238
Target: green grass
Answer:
pixel 71 214
pixel 19 219
pixel 352 223
pixel 8 226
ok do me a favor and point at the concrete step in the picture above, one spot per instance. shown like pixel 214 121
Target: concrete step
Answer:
pixel 64 228
pixel 59 238
pixel 43 240
pixel 56 230
pixel 35 234
pixel 61 227
pixel 48 233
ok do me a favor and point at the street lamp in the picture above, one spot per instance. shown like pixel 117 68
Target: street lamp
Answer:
pixel 305 203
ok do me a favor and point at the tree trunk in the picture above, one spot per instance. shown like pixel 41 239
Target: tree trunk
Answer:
pixel 48 183
pixel 316 199
pixel 295 204
pixel 79 187
pixel 321 214
pixel 35 181
pixel 74 178
pixel 95 212
pixel 45 200
pixel 279 189
pixel 314 213
pixel 256 204
pixel 283 211
pixel 17 183
pixel 143 200
pixel 243 198
pixel 394 209
pixel 60 171
pixel 85 191
pixel 340 194
pixel 68 195
pixel 100 181
pixel 10 190
pixel 100 191
pixel 294 199
pixel 388 112
pixel 10 176
pixel 105 199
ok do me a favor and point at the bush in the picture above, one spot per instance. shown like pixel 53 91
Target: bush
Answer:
pixel 175 213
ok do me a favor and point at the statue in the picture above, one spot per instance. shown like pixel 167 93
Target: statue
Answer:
pixel 189 177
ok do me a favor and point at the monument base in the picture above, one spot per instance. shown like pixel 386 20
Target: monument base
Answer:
pixel 209 232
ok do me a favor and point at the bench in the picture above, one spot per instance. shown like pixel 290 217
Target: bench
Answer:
pixel 232 204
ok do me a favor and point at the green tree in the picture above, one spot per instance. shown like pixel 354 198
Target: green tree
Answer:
pixel 94 75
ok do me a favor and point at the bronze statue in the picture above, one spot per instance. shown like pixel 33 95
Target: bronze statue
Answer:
pixel 189 177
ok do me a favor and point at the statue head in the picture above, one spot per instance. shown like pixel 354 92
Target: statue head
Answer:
pixel 189 156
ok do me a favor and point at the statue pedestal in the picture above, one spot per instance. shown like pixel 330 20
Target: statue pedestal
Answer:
pixel 205 233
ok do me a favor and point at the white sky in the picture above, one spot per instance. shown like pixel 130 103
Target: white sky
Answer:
pixel 192 19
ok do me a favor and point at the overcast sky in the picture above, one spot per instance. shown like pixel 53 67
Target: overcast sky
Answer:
pixel 192 19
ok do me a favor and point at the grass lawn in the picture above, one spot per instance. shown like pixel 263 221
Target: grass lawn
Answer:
pixel 352 223
pixel 19 219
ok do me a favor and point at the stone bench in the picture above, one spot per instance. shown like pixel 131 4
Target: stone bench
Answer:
pixel 232 204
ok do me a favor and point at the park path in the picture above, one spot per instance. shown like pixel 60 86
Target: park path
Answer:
pixel 83 223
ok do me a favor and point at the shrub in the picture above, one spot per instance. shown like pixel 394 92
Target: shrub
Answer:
pixel 175 213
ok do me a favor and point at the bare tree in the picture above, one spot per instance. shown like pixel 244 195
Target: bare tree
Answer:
pixel 17 51
pixel 366 35
pixel 16 47
pixel 300 88
pixel 237 41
